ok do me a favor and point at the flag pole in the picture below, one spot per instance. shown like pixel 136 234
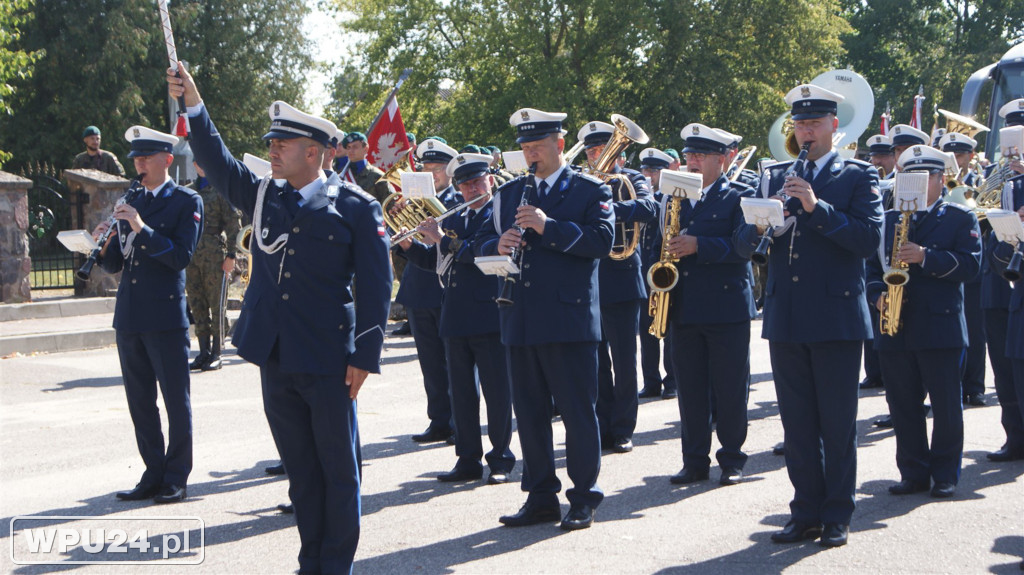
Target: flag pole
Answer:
pixel 401 80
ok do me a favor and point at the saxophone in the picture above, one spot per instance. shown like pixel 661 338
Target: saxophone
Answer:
pixel 663 275
pixel 895 278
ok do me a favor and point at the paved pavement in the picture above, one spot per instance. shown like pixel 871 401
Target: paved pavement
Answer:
pixel 66 445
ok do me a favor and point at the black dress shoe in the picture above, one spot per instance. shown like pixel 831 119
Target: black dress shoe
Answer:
pixel 669 393
pixel 286 508
pixel 275 469
pixel 648 392
pixel 943 490
pixel 460 475
pixel 200 360
pixel 796 531
pixel 141 491
pixel 974 400
pixel 212 364
pixel 908 486
pixel 730 476
pixel 834 535
pixel 450 440
pixel 403 329
pixel 1005 454
pixel 885 422
pixel 779 449
pixel 623 445
pixel 532 514
pixel 433 435
pixel 869 383
pixel 578 517
pixel 688 476
pixel 497 477
pixel 171 494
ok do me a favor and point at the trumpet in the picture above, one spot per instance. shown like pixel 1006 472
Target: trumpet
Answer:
pixel 504 298
pixel 134 188
pixel 399 238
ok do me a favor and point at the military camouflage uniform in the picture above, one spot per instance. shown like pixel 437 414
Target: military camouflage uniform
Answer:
pixel 368 181
pixel 204 273
pixel 104 162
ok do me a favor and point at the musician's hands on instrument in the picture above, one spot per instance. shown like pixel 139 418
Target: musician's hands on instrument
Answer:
pixel 880 304
pixel 1020 212
pixel 407 242
pixel 509 241
pixel 531 218
pixel 911 253
pixel 431 231
pixel 799 188
pixel 354 379
pixel 100 230
pixel 183 85
pixel 1017 165
pixel 228 265
pixel 682 245
pixel 129 214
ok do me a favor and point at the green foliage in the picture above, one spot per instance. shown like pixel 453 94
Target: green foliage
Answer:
pixel 15 64
pixel 106 61
pixel 662 63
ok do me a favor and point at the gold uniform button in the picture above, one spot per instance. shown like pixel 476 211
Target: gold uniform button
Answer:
pixel 796 256
pixel 796 278
pixel 330 237
pixel 135 281
pixel 287 274
pixel 578 300
pixel 846 293
pixel 284 297
pixel 295 230
pixel 686 274
pixel 291 252
pixel 142 247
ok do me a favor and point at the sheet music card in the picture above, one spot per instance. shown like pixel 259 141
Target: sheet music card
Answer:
pixel 77 241
pixel 762 212
pixel 1006 225
pixel 910 192
pixel 678 184
pixel 1011 141
pixel 496 265
pixel 418 185
pixel 515 162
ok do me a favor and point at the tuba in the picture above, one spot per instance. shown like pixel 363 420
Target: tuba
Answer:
pixel 626 133
pixel 854 115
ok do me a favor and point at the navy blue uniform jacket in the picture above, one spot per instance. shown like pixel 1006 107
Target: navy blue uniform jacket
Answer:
pixel 419 288
pixel 557 297
pixel 623 280
pixel 932 315
pixel 715 283
pixel 819 296
pixel 151 295
pixel 304 303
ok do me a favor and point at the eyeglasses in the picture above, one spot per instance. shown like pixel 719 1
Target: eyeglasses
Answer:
pixel 698 155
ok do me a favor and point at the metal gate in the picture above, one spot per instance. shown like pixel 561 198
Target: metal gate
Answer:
pixel 49 212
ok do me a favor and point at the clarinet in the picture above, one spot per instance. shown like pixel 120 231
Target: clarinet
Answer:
pixel 134 188
pixel 504 298
pixel 760 255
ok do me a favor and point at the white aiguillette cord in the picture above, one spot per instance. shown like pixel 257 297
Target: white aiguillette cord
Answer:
pixel 257 226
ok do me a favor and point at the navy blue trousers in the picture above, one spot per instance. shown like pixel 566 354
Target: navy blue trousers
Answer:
pixel 816 385
pixel 617 388
pixel 712 358
pixel 314 425
pixel 1018 382
pixel 1002 372
pixel 147 358
pixel 468 356
pixel 566 372
pixel 651 357
pixel 909 377
pixel 974 366
pixel 424 322
pixel 871 368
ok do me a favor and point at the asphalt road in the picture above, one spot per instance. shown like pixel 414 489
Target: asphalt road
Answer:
pixel 66 446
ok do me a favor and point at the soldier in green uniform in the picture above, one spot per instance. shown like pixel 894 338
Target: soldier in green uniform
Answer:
pixel 204 277
pixel 93 158
pixel 367 176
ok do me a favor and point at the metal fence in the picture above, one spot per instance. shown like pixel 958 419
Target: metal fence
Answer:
pixel 50 210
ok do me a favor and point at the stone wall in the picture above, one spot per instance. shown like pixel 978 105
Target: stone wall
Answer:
pixel 97 192
pixel 15 263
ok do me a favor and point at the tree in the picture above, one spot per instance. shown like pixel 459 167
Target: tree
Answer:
pixel 14 64
pixel 664 63
pixel 105 65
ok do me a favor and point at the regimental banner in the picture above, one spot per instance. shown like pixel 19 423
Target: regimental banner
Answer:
pixel 387 141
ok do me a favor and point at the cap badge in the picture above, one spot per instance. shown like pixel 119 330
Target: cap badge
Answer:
pixel 896 130
pixel 593 126
pixel 277 109
pixel 136 133
pixel 805 91
pixel 917 151
pixel 952 137
pixel 1020 104
pixel 461 160
pixel 696 130
pixel 650 153
pixel 524 115
pixel 430 144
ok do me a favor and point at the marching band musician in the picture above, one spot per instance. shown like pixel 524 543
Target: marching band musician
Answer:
pixel 315 236
pixel 996 302
pixel 881 156
pixel 816 317
pixel 903 136
pixel 552 328
pixel 622 291
pixel 962 147
pixel 469 325
pixel 420 293
pixel 155 239
pixel 712 305
pixel 926 355
pixel 652 162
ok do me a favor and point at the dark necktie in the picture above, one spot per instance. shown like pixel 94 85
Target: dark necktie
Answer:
pixel 809 171
pixel 291 201
pixel 147 199
pixel 543 188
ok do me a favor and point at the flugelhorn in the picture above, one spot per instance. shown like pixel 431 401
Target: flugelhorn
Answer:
pixel 134 188
pixel 399 238
pixel 626 133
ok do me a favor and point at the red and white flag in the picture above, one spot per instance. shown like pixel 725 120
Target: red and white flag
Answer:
pixel 886 120
pixel 915 115
pixel 387 139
